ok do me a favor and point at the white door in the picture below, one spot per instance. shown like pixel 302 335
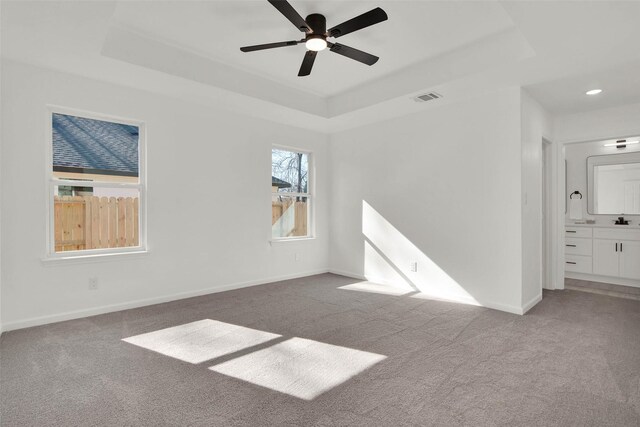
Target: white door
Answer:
pixel 605 257
pixel 630 260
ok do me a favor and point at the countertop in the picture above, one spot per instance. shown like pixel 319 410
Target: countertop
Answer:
pixel 601 225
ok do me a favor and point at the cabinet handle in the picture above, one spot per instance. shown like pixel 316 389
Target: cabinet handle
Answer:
pixel 620 246
pixel 616 247
pixel 570 262
pixel 573 246
pixel 569 231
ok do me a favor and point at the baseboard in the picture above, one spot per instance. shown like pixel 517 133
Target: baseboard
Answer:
pixel 529 305
pixel 603 279
pixel 77 314
pixel 347 274
pixel 470 301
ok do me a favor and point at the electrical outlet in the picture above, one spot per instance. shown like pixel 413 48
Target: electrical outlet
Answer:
pixel 413 267
pixel 297 257
pixel 93 283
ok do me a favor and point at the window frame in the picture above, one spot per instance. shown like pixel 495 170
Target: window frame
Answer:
pixel 310 195
pixel 52 182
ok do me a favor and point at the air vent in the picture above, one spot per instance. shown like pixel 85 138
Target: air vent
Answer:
pixel 427 97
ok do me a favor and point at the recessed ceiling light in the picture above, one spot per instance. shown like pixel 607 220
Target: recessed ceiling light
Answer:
pixel 594 91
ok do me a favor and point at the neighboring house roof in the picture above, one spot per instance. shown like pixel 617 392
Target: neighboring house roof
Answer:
pixel 277 182
pixel 94 146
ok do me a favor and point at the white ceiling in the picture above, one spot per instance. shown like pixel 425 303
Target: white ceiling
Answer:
pixel 620 84
pixel 415 32
pixel 581 45
pixel 190 49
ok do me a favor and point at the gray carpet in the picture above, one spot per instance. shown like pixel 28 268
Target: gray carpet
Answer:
pixel 303 352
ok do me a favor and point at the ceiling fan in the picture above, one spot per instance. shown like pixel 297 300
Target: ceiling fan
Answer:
pixel 315 27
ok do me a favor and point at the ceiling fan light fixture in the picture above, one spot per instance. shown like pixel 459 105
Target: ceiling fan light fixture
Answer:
pixel 316 43
pixel 315 28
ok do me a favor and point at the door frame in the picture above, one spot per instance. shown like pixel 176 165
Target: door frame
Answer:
pixel 547 214
pixel 560 198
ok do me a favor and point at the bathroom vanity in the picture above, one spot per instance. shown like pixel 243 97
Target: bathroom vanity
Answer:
pixel 608 250
pixel 603 253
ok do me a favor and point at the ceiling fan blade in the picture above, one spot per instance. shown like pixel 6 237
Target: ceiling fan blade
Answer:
pixel 268 46
pixel 307 63
pixel 290 13
pixel 349 52
pixel 367 19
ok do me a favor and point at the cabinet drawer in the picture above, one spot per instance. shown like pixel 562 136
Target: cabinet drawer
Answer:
pixel 616 234
pixel 578 232
pixel 575 246
pixel 578 264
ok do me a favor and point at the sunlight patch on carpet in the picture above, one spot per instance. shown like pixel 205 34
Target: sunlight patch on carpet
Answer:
pixel 376 288
pixel 299 367
pixel 199 341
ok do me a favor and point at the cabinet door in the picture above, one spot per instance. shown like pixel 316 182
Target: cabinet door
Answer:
pixel 630 260
pixel 605 257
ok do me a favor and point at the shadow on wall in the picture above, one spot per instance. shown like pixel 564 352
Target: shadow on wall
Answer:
pixel 388 258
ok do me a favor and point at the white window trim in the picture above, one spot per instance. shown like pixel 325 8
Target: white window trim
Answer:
pixel 51 183
pixel 311 183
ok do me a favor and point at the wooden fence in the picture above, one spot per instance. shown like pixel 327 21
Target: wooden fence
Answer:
pixel 90 222
pixel 279 207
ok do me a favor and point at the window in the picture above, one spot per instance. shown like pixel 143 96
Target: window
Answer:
pixel 290 194
pixel 96 185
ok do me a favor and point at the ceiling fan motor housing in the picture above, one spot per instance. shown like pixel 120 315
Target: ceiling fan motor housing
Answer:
pixel 318 24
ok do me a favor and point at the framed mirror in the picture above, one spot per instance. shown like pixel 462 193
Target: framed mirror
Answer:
pixel 614 184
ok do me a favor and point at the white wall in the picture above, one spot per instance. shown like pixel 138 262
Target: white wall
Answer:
pixel 442 187
pixel 201 237
pixel 1 122
pixel 535 125
pixel 600 124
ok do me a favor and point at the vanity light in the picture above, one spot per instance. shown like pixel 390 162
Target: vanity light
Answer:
pixel 594 91
pixel 621 143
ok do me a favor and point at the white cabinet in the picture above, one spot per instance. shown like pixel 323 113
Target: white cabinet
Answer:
pixel 580 232
pixel 575 246
pixel 577 249
pixel 612 252
pixel 630 259
pixel 606 261
pixel 577 263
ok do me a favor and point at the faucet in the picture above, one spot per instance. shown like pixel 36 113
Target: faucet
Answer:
pixel 621 221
